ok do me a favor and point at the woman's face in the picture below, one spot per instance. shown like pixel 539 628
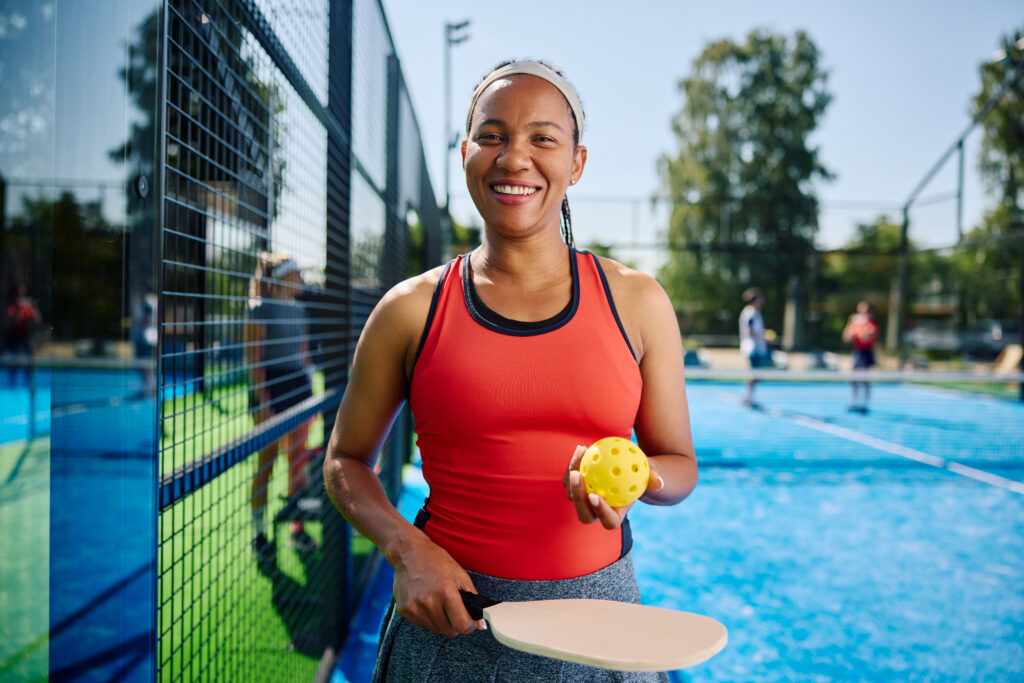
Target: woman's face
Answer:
pixel 519 156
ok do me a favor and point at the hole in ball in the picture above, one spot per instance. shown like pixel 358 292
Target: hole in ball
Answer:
pixel 616 471
pixel 615 451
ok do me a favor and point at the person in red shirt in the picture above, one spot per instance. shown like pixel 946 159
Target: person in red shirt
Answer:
pixel 20 320
pixel 513 358
pixel 862 331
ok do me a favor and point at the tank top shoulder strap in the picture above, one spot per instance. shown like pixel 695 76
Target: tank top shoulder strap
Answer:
pixel 438 288
pixel 592 260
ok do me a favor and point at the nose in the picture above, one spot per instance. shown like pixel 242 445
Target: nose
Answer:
pixel 515 155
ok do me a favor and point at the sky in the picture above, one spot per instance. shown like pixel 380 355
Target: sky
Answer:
pixel 902 75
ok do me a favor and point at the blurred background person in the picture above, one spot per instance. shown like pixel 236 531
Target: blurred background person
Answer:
pixel 280 376
pixel 145 337
pixel 753 342
pixel 20 320
pixel 862 331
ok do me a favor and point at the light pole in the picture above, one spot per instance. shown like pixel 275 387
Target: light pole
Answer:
pixel 453 35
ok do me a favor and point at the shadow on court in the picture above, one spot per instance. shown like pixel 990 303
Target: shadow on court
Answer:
pixel 298 605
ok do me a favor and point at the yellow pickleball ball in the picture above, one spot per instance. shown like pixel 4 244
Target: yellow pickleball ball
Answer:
pixel 615 469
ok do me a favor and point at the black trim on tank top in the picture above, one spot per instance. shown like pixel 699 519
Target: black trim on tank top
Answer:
pixel 627 538
pixel 420 522
pixel 611 304
pixel 518 328
pixel 433 310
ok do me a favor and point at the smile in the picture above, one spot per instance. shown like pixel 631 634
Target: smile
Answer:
pixel 518 190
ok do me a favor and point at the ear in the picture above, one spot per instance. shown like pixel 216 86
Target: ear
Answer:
pixel 463 148
pixel 579 160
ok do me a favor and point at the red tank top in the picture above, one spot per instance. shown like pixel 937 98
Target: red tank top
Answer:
pixel 500 406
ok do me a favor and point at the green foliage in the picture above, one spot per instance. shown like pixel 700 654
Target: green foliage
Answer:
pixel 87 287
pixel 1001 162
pixel 865 269
pixel 464 238
pixel 744 210
pixel 606 250
pixel 989 266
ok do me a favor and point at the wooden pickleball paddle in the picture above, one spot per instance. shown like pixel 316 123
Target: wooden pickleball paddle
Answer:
pixel 602 633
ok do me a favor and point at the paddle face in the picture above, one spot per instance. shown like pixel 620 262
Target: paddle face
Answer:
pixel 607 634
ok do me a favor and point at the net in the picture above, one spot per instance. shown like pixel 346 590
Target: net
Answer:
pixel 964 422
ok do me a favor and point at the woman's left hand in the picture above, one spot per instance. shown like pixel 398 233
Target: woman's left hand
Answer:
pixel 592 507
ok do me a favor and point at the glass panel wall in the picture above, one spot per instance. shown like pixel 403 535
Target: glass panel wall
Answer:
pixel 77 393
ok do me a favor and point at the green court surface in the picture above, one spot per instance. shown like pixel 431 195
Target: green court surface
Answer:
pixel 24 560
pixel 223 615
pixel 196 423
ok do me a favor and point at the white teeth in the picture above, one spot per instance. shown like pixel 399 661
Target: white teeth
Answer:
pixel 514 189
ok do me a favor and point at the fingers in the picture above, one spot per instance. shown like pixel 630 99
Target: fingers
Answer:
pixel 459 618
pixel 610 517
pixel 578 495
pixel 445 615
pixel 654 480
pixel 574 465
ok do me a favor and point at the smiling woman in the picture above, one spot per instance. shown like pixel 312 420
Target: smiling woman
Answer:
pixel 513 358
pixel 559 131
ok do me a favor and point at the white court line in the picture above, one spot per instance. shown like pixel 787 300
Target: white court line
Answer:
pixel 896 449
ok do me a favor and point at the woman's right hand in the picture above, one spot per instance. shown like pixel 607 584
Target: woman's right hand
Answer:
pixel 427 585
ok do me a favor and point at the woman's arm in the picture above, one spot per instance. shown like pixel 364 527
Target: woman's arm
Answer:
pixel 663 420
pixel 427 579
pixel 254 335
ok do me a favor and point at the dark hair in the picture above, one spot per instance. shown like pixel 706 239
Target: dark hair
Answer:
pixel 566 217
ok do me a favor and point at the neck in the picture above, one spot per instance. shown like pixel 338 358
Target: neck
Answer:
pixel 524 260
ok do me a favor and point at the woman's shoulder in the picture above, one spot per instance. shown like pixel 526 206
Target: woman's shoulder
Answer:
pixel 408 302
pixel 629 285
pixel 415 289
pixel 643 306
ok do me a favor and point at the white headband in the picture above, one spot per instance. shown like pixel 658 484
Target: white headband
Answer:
pixel 533 69
pixel 284 268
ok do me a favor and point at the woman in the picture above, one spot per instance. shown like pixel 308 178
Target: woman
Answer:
pixel 280 372
pixel 514 358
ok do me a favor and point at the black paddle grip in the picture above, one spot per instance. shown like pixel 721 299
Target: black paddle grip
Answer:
pixel 475 603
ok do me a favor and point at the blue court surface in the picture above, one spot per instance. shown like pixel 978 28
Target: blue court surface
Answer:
pixel 835 546
pixel 91 404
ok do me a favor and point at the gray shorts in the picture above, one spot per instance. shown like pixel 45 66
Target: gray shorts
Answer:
pixel 409 653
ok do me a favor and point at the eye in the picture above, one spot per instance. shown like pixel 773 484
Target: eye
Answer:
pixel 488 137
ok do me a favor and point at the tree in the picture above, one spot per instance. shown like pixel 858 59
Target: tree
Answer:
pixel 744 211
pixel 1001 163
pixel 864 269
pixel 989 266
pixel 84 244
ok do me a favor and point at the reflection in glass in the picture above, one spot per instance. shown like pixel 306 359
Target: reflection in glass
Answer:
pixel 76 434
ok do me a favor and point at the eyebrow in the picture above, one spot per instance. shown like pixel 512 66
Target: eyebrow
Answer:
pixel 535 124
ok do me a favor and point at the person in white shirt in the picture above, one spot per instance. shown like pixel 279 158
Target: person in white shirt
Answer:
pixel 753 343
